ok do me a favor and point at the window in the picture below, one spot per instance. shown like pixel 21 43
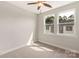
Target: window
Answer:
pixel 49 24
pixel 66 22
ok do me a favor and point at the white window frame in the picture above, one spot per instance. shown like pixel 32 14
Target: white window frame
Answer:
pixel 74 28
pixel 48 24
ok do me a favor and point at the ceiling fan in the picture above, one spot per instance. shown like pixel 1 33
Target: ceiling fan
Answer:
pixel 40 4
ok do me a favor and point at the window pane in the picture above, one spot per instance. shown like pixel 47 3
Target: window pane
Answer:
pixel 49 24
pixel 66 22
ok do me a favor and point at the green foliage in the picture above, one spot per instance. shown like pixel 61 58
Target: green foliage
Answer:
pixel 49 20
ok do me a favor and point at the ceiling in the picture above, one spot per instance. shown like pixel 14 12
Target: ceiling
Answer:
pixel 33 8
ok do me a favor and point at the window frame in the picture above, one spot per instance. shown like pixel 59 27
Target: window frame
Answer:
pixel 74 26
pixel 50 33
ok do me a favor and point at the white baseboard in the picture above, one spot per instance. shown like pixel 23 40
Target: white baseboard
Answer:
pixel 5 52
pixel 10 50
pixel 67 49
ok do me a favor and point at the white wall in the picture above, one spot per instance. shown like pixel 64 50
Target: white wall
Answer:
pixel 16 26
pixel 66 42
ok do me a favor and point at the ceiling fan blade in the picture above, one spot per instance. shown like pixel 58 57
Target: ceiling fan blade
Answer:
pixel 32 3
pixel 47 5
pixel 38 7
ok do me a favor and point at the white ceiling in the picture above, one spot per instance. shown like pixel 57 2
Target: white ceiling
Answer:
pixel 33 8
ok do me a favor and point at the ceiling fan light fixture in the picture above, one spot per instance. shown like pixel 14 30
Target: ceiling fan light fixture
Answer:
pixel 40 4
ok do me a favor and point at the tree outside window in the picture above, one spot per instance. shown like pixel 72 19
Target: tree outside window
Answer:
pixel 49 24
pixel 66 22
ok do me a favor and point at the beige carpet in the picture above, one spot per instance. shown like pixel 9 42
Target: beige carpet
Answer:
pixel 38 50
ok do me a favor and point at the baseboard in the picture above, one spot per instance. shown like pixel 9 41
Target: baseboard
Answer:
pixel 13 49
pixel 66 49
